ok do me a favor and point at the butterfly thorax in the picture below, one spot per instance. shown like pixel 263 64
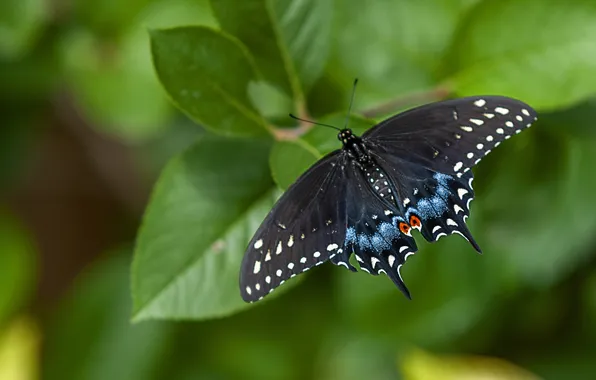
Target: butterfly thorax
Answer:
pixel 354 146
pixel 376 178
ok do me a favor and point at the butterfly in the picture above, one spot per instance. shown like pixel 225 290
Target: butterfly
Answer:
pixel 409 172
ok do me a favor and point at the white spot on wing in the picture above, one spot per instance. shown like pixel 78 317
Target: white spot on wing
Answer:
pixel 406 201
pixel 268 256
pixel 268 279
pixel 489 115
pixel 466 128
pixel 278 273
pixel 461 192
pixel 459 233
pixel 477 121
pixel 290 266
pixel 500 131
pixel 525 112
pixel 248 290
pixel 436 228
pixel 403 248
pixel 391 260
pixel 278 251
pixel 457 209
pixel 291 241
pixel 257 267
pixel 458 166
pixel 479 146
pixel 502 111
pixel 489 138
pixel 519 118
pixel 480 103
pixel 470 155
pixel 451 222
pixel 509 124
pixel 331 247
pixel 317 254
pixel 374 261
pixel 258 244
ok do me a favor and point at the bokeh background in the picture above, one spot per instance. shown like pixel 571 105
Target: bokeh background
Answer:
pixel 86 129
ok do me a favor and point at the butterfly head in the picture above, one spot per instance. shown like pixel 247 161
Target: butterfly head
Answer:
pixel 346 136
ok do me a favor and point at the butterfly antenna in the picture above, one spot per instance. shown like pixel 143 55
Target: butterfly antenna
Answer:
pixel 351 102
pixel 314 122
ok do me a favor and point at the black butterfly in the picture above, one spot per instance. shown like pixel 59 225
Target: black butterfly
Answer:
pixel 412 171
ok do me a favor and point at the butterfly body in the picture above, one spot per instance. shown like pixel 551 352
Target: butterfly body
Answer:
pixel 411 171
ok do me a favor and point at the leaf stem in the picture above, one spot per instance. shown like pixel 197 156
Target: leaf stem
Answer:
pixel 291 134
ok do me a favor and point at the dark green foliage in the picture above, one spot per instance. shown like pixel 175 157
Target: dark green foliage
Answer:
pixel 207 85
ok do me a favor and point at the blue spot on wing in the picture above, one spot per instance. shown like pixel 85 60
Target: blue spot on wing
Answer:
pixel 380 240
pixel 435 205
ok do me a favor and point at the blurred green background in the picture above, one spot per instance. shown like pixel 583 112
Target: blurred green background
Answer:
pixel 88 129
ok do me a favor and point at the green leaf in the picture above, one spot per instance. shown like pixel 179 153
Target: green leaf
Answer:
pixel 90 336
pixel 574 121
pixel 21 22
pixel 18 265
pixel 108 17
pixel 394 48
pixel 120 92
pixel 288 38
pixel 289 160
pixel 207 74
pixel 499 51
pixel 203 211
pixel 543 184
pixel 120 95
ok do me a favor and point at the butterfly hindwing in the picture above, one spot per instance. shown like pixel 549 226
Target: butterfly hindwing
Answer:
pixel 437 204
pixel 305 227
pixel 451 136
pixel 373 233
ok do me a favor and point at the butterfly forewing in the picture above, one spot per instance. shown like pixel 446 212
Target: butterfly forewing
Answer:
pixel 451 136
pixel 305 227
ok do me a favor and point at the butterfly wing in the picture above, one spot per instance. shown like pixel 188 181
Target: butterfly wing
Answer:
pixel 428 152
pixel 306 226
pixel 454 135
pixel 373 232
pixel 437 204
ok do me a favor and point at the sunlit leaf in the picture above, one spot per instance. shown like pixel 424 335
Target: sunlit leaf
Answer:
pixel 420 365
pixel 206 206
pixel 288 38
pixel 19 349
pixel 209 84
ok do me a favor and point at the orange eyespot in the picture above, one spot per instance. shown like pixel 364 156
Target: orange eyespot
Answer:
pixel 415 221
pixel 404 228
